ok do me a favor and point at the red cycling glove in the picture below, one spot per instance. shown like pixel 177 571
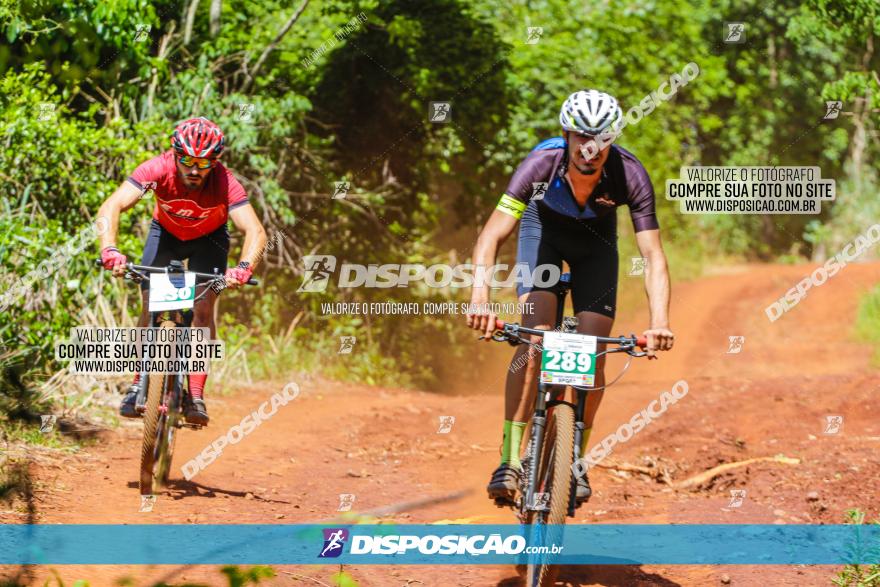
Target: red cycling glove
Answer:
pixel 240 274
pixel 110 257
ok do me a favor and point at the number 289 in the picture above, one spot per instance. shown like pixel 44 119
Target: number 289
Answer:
pixel 568 361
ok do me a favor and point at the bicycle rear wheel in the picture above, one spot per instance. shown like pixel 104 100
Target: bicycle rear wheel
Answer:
pixel 554 475
pixel 155 420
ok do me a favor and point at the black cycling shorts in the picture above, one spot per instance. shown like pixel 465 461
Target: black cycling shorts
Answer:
pixel 204 254
pixel 588 246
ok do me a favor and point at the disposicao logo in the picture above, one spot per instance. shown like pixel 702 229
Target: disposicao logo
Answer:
pixel 334 541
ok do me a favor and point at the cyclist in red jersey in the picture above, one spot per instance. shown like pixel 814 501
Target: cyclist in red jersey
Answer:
pixel 195 196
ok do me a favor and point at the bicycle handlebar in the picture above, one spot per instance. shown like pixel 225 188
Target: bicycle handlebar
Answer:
pixel 639 341
pixel 148 269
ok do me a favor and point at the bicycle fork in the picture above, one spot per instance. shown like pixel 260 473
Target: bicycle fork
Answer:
pixel 539 424
pixel 578 438
pixel 536 450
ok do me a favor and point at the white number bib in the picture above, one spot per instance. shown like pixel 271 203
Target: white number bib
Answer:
pixel 568 359
pixel 168 295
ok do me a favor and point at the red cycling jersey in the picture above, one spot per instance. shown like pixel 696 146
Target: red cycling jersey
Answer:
pixel 184 212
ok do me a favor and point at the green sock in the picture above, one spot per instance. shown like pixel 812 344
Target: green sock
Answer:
pixel 585 440
pixel 513 432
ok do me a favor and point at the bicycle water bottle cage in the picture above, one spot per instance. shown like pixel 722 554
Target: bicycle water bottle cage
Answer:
pixel 569 324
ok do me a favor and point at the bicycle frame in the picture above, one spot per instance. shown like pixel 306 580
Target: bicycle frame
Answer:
pixel 551 510
pixel 181 318
pixel 547 394
pixel 543 403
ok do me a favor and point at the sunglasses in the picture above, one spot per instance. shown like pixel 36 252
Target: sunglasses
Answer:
pixel 188 161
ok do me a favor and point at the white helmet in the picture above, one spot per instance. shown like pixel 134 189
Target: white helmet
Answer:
pixel 590 112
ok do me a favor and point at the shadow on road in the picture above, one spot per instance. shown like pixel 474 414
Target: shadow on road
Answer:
pixel 180 489
pixel 17 481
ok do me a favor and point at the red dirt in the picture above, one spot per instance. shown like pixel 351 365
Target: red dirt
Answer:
pixel 382 445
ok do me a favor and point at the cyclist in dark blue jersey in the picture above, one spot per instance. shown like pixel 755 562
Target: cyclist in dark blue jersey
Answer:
pixel 565 195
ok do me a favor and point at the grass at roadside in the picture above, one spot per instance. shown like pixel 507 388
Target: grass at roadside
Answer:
pixel 15 432
pixel 856 575
pixel 235 577
pixel 271 356
pixel 868 321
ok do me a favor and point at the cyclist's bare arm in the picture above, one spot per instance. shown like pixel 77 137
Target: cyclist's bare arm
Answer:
pixel 494 233
pixel 124 198
pixel 245 219
pixel 659 335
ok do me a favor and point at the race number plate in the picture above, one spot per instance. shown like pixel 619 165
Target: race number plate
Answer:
pixel 568 359
pixel 172 292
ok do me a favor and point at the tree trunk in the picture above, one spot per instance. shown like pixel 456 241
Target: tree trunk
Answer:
pixel 164 44
pixel 283 31
pixel 190 17
pixel 216 8
pixel 771 53
pixel 859 139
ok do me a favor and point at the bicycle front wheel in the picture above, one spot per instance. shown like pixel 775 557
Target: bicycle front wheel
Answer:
pixel 155 421
pixel 554 477
pixel 167 434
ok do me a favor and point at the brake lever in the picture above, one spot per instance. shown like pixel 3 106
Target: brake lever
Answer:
pixel 135 275
pixel 512 339
pixel 501 336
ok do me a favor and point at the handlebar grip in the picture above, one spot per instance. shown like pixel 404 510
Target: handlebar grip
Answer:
pixel 253 281
pixel 99 263
pixel 642 342
pixel 499 324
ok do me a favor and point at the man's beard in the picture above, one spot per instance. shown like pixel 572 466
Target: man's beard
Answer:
pixel 194 185
pixel 587 169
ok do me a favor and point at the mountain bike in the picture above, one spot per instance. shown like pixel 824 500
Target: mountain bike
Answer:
pixel 163 397
pixel 548 482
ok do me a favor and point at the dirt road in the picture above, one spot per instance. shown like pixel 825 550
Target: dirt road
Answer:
pixel 382 445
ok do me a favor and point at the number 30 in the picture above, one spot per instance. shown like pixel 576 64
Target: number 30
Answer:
pixel 178 294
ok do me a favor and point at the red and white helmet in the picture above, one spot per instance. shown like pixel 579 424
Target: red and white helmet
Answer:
pixel 198 137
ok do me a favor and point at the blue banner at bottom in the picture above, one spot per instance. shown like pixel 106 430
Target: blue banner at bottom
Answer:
pixel 605 544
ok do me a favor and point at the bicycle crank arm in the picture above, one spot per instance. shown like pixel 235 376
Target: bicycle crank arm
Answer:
pixel 181 424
